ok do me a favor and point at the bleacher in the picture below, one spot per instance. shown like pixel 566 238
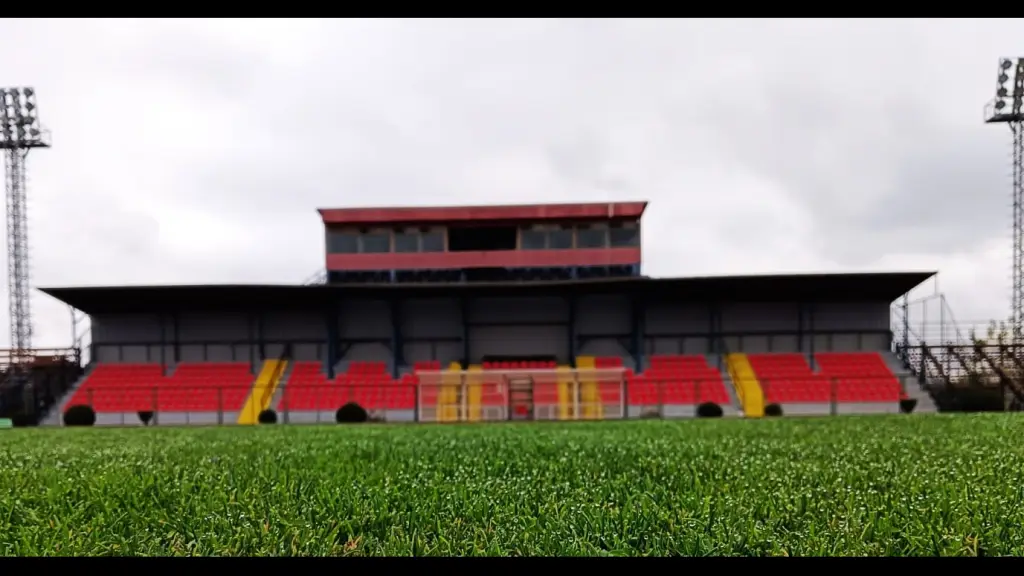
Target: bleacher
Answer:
pixel 851 377
pixel 192 387
pixel 366 383
pixel 677 380
pixel 668 380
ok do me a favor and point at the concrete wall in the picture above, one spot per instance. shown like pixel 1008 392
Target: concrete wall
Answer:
pixel 433 329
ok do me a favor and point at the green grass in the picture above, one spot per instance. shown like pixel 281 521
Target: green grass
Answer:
pixel 906 485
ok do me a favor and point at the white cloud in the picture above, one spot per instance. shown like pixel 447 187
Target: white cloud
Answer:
pixel 197 151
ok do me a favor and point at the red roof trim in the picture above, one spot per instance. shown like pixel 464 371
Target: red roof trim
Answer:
pixel 491 259
pixel 533 212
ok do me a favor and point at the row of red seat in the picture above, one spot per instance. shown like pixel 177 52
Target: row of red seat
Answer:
pixel 844 377
pixel 678 379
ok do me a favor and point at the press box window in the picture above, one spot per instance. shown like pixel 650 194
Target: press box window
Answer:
pixel 342 243
pixel 592 238
pixel 432 241
pixel 376 243
pixel 532 239
pixel 407 242
pixel 624 236
pixel 560 239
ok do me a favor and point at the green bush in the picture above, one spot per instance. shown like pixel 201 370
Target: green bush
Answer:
pixel 773 410
pixel 709 410
pixel 268 416
pixel 351 413
pixel 80 415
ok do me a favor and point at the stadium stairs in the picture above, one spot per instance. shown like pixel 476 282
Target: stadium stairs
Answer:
pixel 263 390
pixel 746 385
pixel 56 412
pixel 862 382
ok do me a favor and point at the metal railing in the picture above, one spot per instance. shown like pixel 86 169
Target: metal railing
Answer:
pixel 468 397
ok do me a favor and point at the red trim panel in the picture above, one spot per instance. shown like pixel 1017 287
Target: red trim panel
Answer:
pixel 494 259
pixel 603 211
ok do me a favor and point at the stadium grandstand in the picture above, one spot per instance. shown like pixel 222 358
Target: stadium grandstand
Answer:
pixel 450 314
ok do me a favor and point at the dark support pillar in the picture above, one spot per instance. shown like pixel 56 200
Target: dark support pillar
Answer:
pixel 260 338
pixel 571 331
pixel 331 318
pixel 715 329
pixel 638 315
pixel 800 327
pixel 163 343
pixel 251 325
pixel 464 315
pixel 176 340
pixel 397 351
pixel 810 327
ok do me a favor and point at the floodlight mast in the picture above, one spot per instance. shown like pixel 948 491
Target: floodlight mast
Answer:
pixel 1008 108
pixel 19 132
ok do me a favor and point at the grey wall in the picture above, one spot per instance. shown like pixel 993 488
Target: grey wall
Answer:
pixel 433 328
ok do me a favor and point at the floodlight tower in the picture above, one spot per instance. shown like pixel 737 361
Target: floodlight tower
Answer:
pixel 19 133
pixel 1007 109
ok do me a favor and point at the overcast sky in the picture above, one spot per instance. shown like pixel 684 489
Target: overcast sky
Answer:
pixel 198 152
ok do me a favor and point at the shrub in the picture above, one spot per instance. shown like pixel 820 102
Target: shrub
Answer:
pixel 907 405
pixel 773 410
pixel 351 413
pixel 145 416
pixel 80 415
pixel 709 410
pixel 268 416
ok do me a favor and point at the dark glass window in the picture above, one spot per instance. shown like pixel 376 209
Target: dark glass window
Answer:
pixel 407 242
pixel 342 243
pixel 532 239
pixel 432 242
pixel 624 237
pixel 376 243
pixel 592 238
pixel 560 239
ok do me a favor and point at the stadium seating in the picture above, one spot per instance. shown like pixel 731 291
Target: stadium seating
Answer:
pixel 852 377
pixel 859 377
pixel 365 383
pixel 678 379
pixel 788 378
pixel 193 387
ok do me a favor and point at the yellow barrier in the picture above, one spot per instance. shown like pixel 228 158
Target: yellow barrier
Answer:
pixel 590 393
pixel 262 390
pixel 565 384
pixel 448 396
pixel 748 388
pixel 474 385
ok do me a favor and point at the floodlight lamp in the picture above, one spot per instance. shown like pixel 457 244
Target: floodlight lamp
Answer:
pixel 1000 104
pixel 1005 64
pixel 1003 78
pixel 28 92
pixel 1002 92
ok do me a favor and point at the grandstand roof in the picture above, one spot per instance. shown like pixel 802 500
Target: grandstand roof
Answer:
pixel 788 288
pixel 524 212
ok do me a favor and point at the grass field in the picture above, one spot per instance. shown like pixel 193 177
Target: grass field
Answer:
pixel 903 485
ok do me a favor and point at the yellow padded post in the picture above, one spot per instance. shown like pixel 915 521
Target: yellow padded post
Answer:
pixel 262 391
pixel 590 395
pixel 748 387
pixel 474 385
pixel 564 379
pixel 448 396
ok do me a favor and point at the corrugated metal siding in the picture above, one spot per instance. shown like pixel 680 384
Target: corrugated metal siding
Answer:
pixel 605 315
pixel 424 320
